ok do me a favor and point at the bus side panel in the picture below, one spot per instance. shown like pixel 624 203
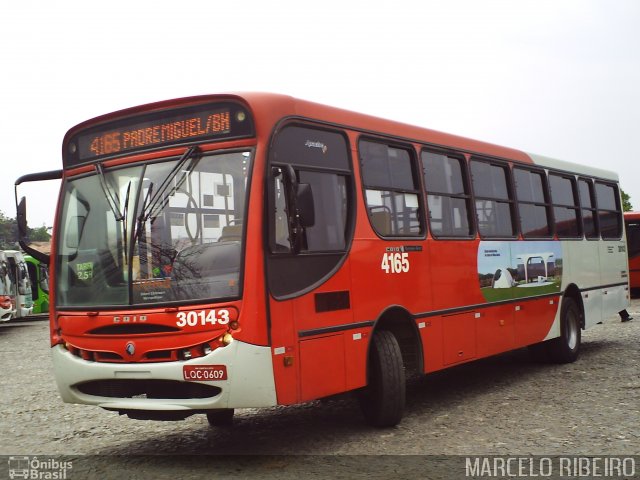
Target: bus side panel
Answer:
pixel 356 347
pixel 322 367
pixel 330 305
pixel 495 327
pixel 377 285
pixel 431 336
pixel 284 351
pixel 453 274
pixel 613 260
pixel 581 267
pixel 317 350
pixel 533 319
pixel 459 337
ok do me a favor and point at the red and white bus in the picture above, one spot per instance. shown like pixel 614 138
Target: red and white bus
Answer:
pixel 227 251
pixel 632 226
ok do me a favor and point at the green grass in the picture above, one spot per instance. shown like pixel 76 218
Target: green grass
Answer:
pixel 499 294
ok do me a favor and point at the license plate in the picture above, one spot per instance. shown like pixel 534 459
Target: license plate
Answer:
pixel 204 373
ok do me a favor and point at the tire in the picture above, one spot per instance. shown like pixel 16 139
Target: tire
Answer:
pixel 220 418
pixel 383 399
pixel 566 348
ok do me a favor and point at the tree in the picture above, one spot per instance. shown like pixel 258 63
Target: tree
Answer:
pixel 9 233
pixel 40 234
pixel 626 202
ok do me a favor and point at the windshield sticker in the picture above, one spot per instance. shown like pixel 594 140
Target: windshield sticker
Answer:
pixel 84 271
pixel 153 289
pixel 316 144
pixel 508 270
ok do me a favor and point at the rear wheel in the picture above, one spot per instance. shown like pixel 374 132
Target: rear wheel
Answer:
pixel 382 400
pixel 566 348
pixel 220 418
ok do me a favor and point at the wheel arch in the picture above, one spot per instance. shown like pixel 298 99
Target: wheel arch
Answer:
pixel 402 324
pixel 573 292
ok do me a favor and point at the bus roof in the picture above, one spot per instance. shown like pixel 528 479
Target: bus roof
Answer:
pixel 269 108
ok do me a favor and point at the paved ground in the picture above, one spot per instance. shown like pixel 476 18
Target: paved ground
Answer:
pixel 505 405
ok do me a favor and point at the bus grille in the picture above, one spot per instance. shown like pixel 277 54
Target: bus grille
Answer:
pixel 171 355
pixel 132 329
pixel 164 389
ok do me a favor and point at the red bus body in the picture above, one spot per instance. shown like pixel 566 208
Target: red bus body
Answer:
pixel 302 322
pixel 632 226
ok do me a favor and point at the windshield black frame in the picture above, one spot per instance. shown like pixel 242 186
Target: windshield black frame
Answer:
pixel 138 260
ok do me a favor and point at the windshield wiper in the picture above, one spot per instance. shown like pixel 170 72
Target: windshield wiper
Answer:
pixel 112 199
pixel 141 218
pixel 161 197
pixel 154 202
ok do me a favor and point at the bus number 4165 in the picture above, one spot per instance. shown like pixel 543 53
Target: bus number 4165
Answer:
pixel 395 262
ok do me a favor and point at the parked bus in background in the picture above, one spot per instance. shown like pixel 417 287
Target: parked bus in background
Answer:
pixel 7 296
pixel 632 224
pixel 228 251
pixel 21 283
pixel 39 277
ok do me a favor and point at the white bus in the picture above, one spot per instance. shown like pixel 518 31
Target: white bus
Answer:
pixel 7 295
pixel 19 275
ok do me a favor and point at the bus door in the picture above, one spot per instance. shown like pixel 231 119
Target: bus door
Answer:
pixel 310 216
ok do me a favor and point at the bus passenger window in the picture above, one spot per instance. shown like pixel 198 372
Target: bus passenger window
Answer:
pixel 391 190
pixel 330 194
pixel 448 196
pixel 532 203
pixel 589 213
pixel 609 212
pixel 565 206
pixel 494 207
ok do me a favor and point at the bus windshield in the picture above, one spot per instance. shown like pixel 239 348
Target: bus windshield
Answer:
pixel 153 233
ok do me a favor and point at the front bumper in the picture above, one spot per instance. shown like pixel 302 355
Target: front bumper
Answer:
pixel 249 383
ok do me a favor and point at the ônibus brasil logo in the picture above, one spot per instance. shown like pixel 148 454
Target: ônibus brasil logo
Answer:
pixel 41 469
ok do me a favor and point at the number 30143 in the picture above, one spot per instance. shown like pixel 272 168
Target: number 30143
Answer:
pixel 203 317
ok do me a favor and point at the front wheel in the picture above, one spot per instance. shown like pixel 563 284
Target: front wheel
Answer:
pixel 383 399
pixel 566 348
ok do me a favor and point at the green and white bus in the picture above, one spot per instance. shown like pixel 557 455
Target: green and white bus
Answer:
pixel 39 277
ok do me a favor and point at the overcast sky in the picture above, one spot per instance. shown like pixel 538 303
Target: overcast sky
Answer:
pixel 559 78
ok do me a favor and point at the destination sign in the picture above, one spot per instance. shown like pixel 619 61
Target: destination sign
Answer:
pixel 159 129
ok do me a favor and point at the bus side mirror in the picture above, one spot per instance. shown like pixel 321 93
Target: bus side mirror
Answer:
pixel 304 205
pixel 21 218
